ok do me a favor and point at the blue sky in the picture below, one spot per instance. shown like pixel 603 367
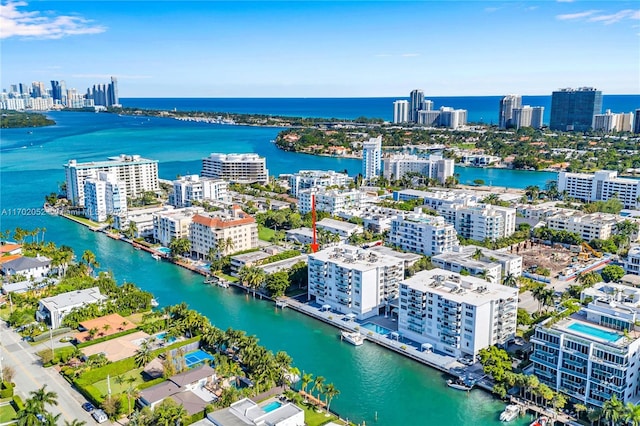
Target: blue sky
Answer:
pixel 323 49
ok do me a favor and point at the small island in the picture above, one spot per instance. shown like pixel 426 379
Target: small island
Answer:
pixel 16 120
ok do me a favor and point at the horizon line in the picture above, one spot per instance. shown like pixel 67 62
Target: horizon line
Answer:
pixel 340 97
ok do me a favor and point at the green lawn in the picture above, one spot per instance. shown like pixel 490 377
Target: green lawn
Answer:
pixel 84 220
pixel 117 388
pixel 7 413
pixel 311 418
pixel 265 234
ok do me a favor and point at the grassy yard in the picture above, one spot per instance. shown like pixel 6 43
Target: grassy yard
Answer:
pixel 265 234
pixel 116 388
pixel 7 413
pixel 83 220
pixel 312 418
pixel 227 277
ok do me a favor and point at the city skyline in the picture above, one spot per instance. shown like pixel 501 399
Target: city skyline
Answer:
pixel 323 49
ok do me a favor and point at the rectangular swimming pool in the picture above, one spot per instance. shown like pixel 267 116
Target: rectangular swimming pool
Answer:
pixel 609 336
pixel 376 328
pixel 273 405
pixel 165 250
pixel 163 336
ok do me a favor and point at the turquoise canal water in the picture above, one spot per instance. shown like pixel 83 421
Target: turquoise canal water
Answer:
pixel 374 382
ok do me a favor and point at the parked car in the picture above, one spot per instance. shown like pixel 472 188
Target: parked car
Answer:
pixel 88 407
pixel 100 416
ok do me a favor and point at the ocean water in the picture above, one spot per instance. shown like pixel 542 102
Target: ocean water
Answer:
pixel 481 109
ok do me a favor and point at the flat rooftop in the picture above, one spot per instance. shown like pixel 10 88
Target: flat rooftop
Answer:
pixel 577 325
pixel 338 224
pixel 460 289
pixel 73 298
pixel 351 257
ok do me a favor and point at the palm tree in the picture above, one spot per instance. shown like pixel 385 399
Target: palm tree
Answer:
pixel 613 410
pixel 144 354
pixel 306 379
pixel 42 397
pixel 132 230
pixel 580 408
pixel 632 414
pixel 510 280
pixel 89 258
pixel 594 414
pixel 330 392
pixel 74 422
pixel 50 419
pixel 283 364
pixel 230 244
pixel 477 254
pixel 318 385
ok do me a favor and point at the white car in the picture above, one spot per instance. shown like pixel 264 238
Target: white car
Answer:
pixel 100 416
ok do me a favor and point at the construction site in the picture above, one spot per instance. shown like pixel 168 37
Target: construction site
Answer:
pixel 564 262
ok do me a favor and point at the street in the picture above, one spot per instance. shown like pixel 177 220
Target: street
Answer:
pixel 30 375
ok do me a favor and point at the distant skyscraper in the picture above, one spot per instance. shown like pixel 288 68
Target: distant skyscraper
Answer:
pixel 416 102
pixel 427 105
pixel 521 117
pixel 507 105
pixel 537 115
pixel 372 158
pixel 112 97
pixel 636 122
pixel 400 111
pixel 573 109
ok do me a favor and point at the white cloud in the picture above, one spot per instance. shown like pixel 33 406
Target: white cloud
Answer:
pixel 410 55
pixel 616 17
pixel 21 23
pixel 565 1
pixel 578 15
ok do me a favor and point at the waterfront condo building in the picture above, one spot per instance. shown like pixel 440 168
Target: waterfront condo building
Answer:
pixel 104 196
pixel 591 226
pixel 173 224
pixel 433 167
pixel 416 103
pixel 139 174
pixel 209 231
pixel 372 158
pixel 307 179
pixel 401 111
pixel 333 201
pixel 458 315
pixel 636 121
pixel 593 355
pixel 601 186
pixel 421 233
pixel 610 122
pixel 194 188
pixel 507 105
pixel 527 116
pixel 573 109
pixel 237 168
pixel 354 280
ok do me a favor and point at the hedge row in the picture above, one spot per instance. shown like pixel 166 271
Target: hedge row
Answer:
pixel 105 338
pixel 56 332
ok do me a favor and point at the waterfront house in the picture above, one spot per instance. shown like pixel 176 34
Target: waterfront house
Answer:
pixel 246 412
pixel 52 310
pixel 209 230
pixel 28 267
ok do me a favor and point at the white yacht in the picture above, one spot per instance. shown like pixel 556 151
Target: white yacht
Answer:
pixel 510 413
pixel 354 338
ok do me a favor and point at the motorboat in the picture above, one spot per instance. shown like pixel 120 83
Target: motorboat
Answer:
pixel 542 421
pixel 154 303
pixel 156 256
pixel 354 338
pixel 510 413
pixel 459 384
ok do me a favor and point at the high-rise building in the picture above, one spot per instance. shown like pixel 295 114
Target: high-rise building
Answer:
pixel 452 118
pixel 112 93
pixel 307 179
pixel 606 122
pixel 507 105
pixel 601 186
pixel 238 168
pixel 421 233
pixel 400 111
pixel 372 158
pixel 208 230
pixel 416 102
pixel 636 122
pixel 434 166
pixel 139 174
pixel 105 196
pixel 527 116
pixel 194 188
pixel 537 117
pixel 573 109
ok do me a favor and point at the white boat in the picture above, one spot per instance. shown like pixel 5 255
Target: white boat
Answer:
pixel 154 303
pixel 542 421
pixel 510 413
pixel 223 284
pixel 354 338
pixel 156 256
pixel 458 384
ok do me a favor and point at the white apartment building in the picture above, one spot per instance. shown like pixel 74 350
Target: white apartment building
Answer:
pixel 481 221
pixel 594 354
pixel 343 229
pixel 434 167
pixel 632 262
pixel 308 179
pixel 194 188
pixel 139 175
pixel 401 111
pixel 208 229
pixel 492 264
pixel 610 122
pixel 375 218
pixel 143 219
pixel 420 233
pixel 457 315
pixel 173 224
pixel 452 118
pixel 478 160
pixel 353 280
pixel 589 226
pixel 104 196
pixel 52 310
pixel 601 186
pixel 238 168
pixel 528 116
pixel 372 158
pixel 333 201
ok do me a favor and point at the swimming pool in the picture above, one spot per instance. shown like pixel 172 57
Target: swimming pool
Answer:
pixel 376 328
pixel 163 336
pixel 273 405
pixel 609 336
pixel 164 250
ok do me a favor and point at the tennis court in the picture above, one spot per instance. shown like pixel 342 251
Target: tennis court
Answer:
pixel 195 358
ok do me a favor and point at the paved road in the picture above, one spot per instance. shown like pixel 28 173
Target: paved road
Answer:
pixel 30 375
